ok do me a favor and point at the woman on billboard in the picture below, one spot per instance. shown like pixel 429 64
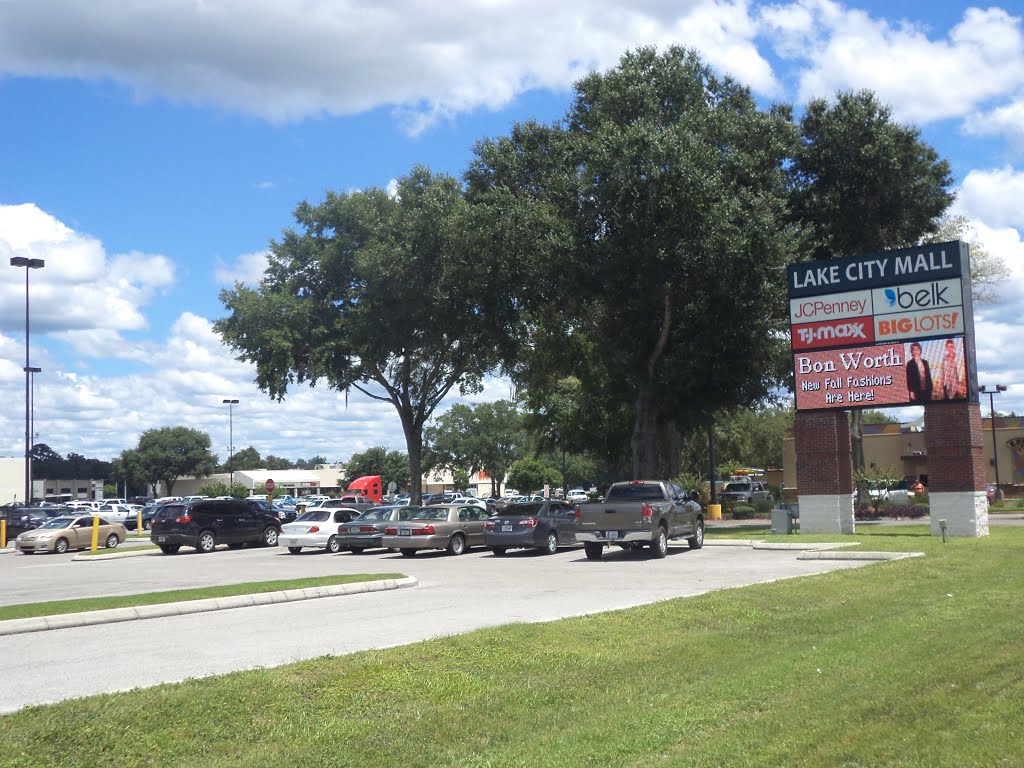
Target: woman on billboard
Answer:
pixel 919 376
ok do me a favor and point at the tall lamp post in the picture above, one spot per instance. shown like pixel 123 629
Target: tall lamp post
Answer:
pixel 231 439
pixel 32 371
pixel 992 391
pixel 28 264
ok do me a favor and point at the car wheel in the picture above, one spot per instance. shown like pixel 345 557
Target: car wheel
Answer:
pixel 206 542
pixel 499 551
pixel 407 552
pixel 456 545
pixel 112 541
pixel 659 546
pixel 270 536
pixel 295 550
pixel 593 550
pixel 333 545
pixel 697 540
pixel 551 545
pixel 61 546
pixel 169 549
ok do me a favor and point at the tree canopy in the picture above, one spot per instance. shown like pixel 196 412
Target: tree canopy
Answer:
pixel 381 293
pixel 168 453
pixel 392 466
pixel 666 184
pixel 477 438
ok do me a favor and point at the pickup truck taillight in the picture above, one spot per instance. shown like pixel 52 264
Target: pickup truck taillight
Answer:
pixel 646 512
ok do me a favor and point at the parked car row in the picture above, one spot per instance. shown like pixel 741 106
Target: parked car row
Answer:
pixel 456 527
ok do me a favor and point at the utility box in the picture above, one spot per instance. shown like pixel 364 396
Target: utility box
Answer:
pixel 782 520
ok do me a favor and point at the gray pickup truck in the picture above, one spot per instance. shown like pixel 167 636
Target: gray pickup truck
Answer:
pixel 637 513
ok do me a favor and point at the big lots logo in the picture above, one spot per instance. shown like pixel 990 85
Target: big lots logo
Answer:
pixel 833 333
pixel 940 294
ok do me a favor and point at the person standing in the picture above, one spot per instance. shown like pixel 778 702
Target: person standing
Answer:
pixel 950 374
pixel 919 376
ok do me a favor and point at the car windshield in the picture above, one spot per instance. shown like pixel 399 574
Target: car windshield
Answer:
pixel 738 487
pixel 58 522
pixel 313 517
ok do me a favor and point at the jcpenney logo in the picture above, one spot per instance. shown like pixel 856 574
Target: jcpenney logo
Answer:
pixel 835 307
pixel 833 333
pixel 941 294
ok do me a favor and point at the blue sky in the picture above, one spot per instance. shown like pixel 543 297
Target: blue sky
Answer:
pixel 152 150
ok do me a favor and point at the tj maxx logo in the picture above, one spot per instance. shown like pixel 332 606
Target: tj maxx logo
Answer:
pixel 833 333
pixel 940 294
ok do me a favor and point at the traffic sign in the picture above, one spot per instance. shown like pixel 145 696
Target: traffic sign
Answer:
pixel 270 486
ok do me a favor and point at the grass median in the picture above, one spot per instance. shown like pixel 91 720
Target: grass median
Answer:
pixel 913 662
pixel 57 607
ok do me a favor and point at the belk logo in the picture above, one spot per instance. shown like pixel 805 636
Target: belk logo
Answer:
pixel 919 298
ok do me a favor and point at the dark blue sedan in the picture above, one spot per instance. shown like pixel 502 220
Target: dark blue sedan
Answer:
pixel 544 525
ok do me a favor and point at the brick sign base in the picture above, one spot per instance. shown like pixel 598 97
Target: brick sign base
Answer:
pixel 956 470
pixel 954 440
pixel 824 471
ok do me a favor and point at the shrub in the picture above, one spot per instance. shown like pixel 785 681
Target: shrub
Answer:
pixel 743 512
pixel 866 511
pixel 763 507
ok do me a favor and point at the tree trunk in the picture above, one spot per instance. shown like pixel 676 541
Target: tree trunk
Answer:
pixel 414 445
pixel 644 432
pixel 675 448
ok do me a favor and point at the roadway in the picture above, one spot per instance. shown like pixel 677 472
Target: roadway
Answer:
pixel 454 595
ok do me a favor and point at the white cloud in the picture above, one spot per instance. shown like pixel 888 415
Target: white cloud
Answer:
pixel 995 197
pixel 80 287
pixel 284 60
pixel 923 78
pixel 247 268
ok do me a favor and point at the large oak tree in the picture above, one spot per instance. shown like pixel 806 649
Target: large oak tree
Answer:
pixel 381 293
pixel 666 184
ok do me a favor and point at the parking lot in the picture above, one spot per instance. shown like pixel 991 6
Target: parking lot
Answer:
pixel 454 595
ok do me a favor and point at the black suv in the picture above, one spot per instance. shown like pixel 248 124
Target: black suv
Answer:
pixel 206 523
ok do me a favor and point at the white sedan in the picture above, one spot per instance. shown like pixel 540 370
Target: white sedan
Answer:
pixel 315 528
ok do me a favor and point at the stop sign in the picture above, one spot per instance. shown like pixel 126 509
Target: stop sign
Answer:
pixel 270 486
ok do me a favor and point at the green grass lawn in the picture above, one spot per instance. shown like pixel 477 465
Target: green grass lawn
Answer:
pixel 53 608
pixel 915 662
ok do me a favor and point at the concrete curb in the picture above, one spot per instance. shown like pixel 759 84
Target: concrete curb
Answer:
pixel 858 555
pixel 82 557
pixel 113 615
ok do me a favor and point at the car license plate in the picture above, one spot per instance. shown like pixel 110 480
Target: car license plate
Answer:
pixel 404 532
pixel 161 538
pixel 612 534
pixel 506 528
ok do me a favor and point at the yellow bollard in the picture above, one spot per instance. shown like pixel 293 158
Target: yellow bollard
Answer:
pixel 95 532
pixel 3 533
pixel 138 523
pixel 714 511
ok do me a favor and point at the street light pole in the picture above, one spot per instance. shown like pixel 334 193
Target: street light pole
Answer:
pixel 32 371
pixel 28 264
pixel 992 391
pixel 231 439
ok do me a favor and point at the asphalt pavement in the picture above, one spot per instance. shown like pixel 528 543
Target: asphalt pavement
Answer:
pixel 444 596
